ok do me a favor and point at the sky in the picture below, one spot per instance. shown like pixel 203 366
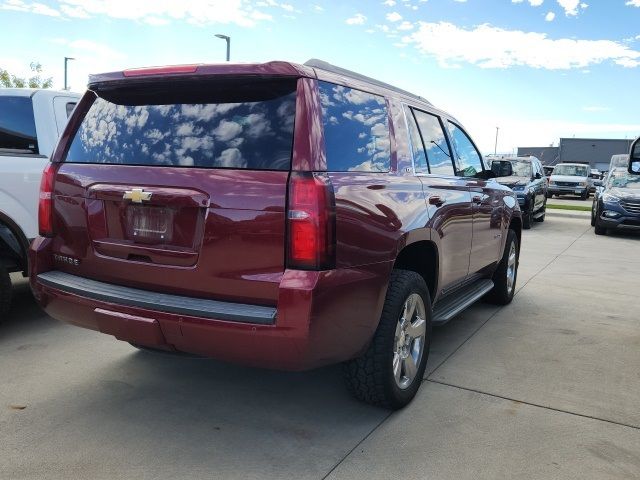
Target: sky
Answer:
pixel 536 69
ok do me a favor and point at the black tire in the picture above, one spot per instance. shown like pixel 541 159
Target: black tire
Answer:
pixel 584 196
pixel 527 219
pixel 501 294
pixel 598 229
pixel 540 219
pixel 549 195
pixel 593 215
pixel 5 293
pixel 370 377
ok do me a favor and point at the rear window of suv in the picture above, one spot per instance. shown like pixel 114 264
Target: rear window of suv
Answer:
pixel 239 125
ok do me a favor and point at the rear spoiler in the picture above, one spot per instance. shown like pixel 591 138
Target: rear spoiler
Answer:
pixel 277 68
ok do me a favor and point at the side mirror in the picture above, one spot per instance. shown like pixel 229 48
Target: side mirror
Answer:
pixel 634 157
pixel 538 176
pixel 597 183
pixel 502 168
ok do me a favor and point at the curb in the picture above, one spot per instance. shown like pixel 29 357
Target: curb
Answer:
pixel 568 213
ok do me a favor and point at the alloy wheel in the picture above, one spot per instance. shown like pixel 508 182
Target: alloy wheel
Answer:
pixel 410 340
pixel 511 268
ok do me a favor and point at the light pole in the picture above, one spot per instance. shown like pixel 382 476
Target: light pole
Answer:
pixel 228 40
pixel 66 59
pixel 495 150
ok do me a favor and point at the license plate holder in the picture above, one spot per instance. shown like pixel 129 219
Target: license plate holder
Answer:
pixel 149 224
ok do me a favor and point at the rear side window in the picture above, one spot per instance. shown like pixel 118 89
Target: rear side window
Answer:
pixel 435 143
pixel 17 126
pixel 356 129
pixel 239 125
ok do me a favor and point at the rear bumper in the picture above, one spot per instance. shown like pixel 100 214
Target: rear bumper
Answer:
pixel 320 318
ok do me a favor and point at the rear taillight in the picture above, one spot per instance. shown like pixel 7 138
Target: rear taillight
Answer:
pixel 45 205
pixel 311 222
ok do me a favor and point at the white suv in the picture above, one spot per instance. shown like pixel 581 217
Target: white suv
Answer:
pixel 31 120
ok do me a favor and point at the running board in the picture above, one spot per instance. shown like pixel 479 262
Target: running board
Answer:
pixel 453 304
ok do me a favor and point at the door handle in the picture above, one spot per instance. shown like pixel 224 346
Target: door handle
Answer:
pixel 436 200
pixel 477 199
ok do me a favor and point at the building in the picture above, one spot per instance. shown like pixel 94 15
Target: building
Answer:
pixel 593 151
pixel 547 155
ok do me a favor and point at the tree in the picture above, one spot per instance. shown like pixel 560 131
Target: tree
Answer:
pixel 36 81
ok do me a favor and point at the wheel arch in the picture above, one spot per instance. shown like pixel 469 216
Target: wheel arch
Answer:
pixel 420 256
pixel 14 245
pixel 516 225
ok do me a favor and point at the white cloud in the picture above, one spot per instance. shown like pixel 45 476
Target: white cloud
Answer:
pixel 231 158
pixel 394 16
pixel 572 7
pixel 389 3
pixel 405 26
pixel 227 130
pixel 30 7
pixel 154 12
pixel 491 47
pixel 357 19
pixel 633 3
pixel 533 3
pixel 550 16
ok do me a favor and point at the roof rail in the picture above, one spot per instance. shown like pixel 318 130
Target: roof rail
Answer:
pixel 326 66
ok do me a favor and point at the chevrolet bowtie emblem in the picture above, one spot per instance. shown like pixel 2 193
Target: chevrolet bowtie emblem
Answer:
pixel 137 195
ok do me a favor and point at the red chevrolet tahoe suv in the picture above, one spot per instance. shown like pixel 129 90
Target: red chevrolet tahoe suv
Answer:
pixel 276 215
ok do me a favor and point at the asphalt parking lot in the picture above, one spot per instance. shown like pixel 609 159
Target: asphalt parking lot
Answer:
pixel 547 387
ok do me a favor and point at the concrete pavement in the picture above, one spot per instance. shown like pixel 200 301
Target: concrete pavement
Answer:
pixel 547 387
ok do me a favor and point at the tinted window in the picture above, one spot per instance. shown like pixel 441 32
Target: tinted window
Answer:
pixel 435 143
pixel 417 148
pixel 356 129
pixel 192 125
pixel 469 161
pixel 70 106
pixel 17 126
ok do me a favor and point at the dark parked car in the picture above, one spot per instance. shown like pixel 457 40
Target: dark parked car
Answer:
pixel 616 205
pixel 276 215
pixel 528 181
